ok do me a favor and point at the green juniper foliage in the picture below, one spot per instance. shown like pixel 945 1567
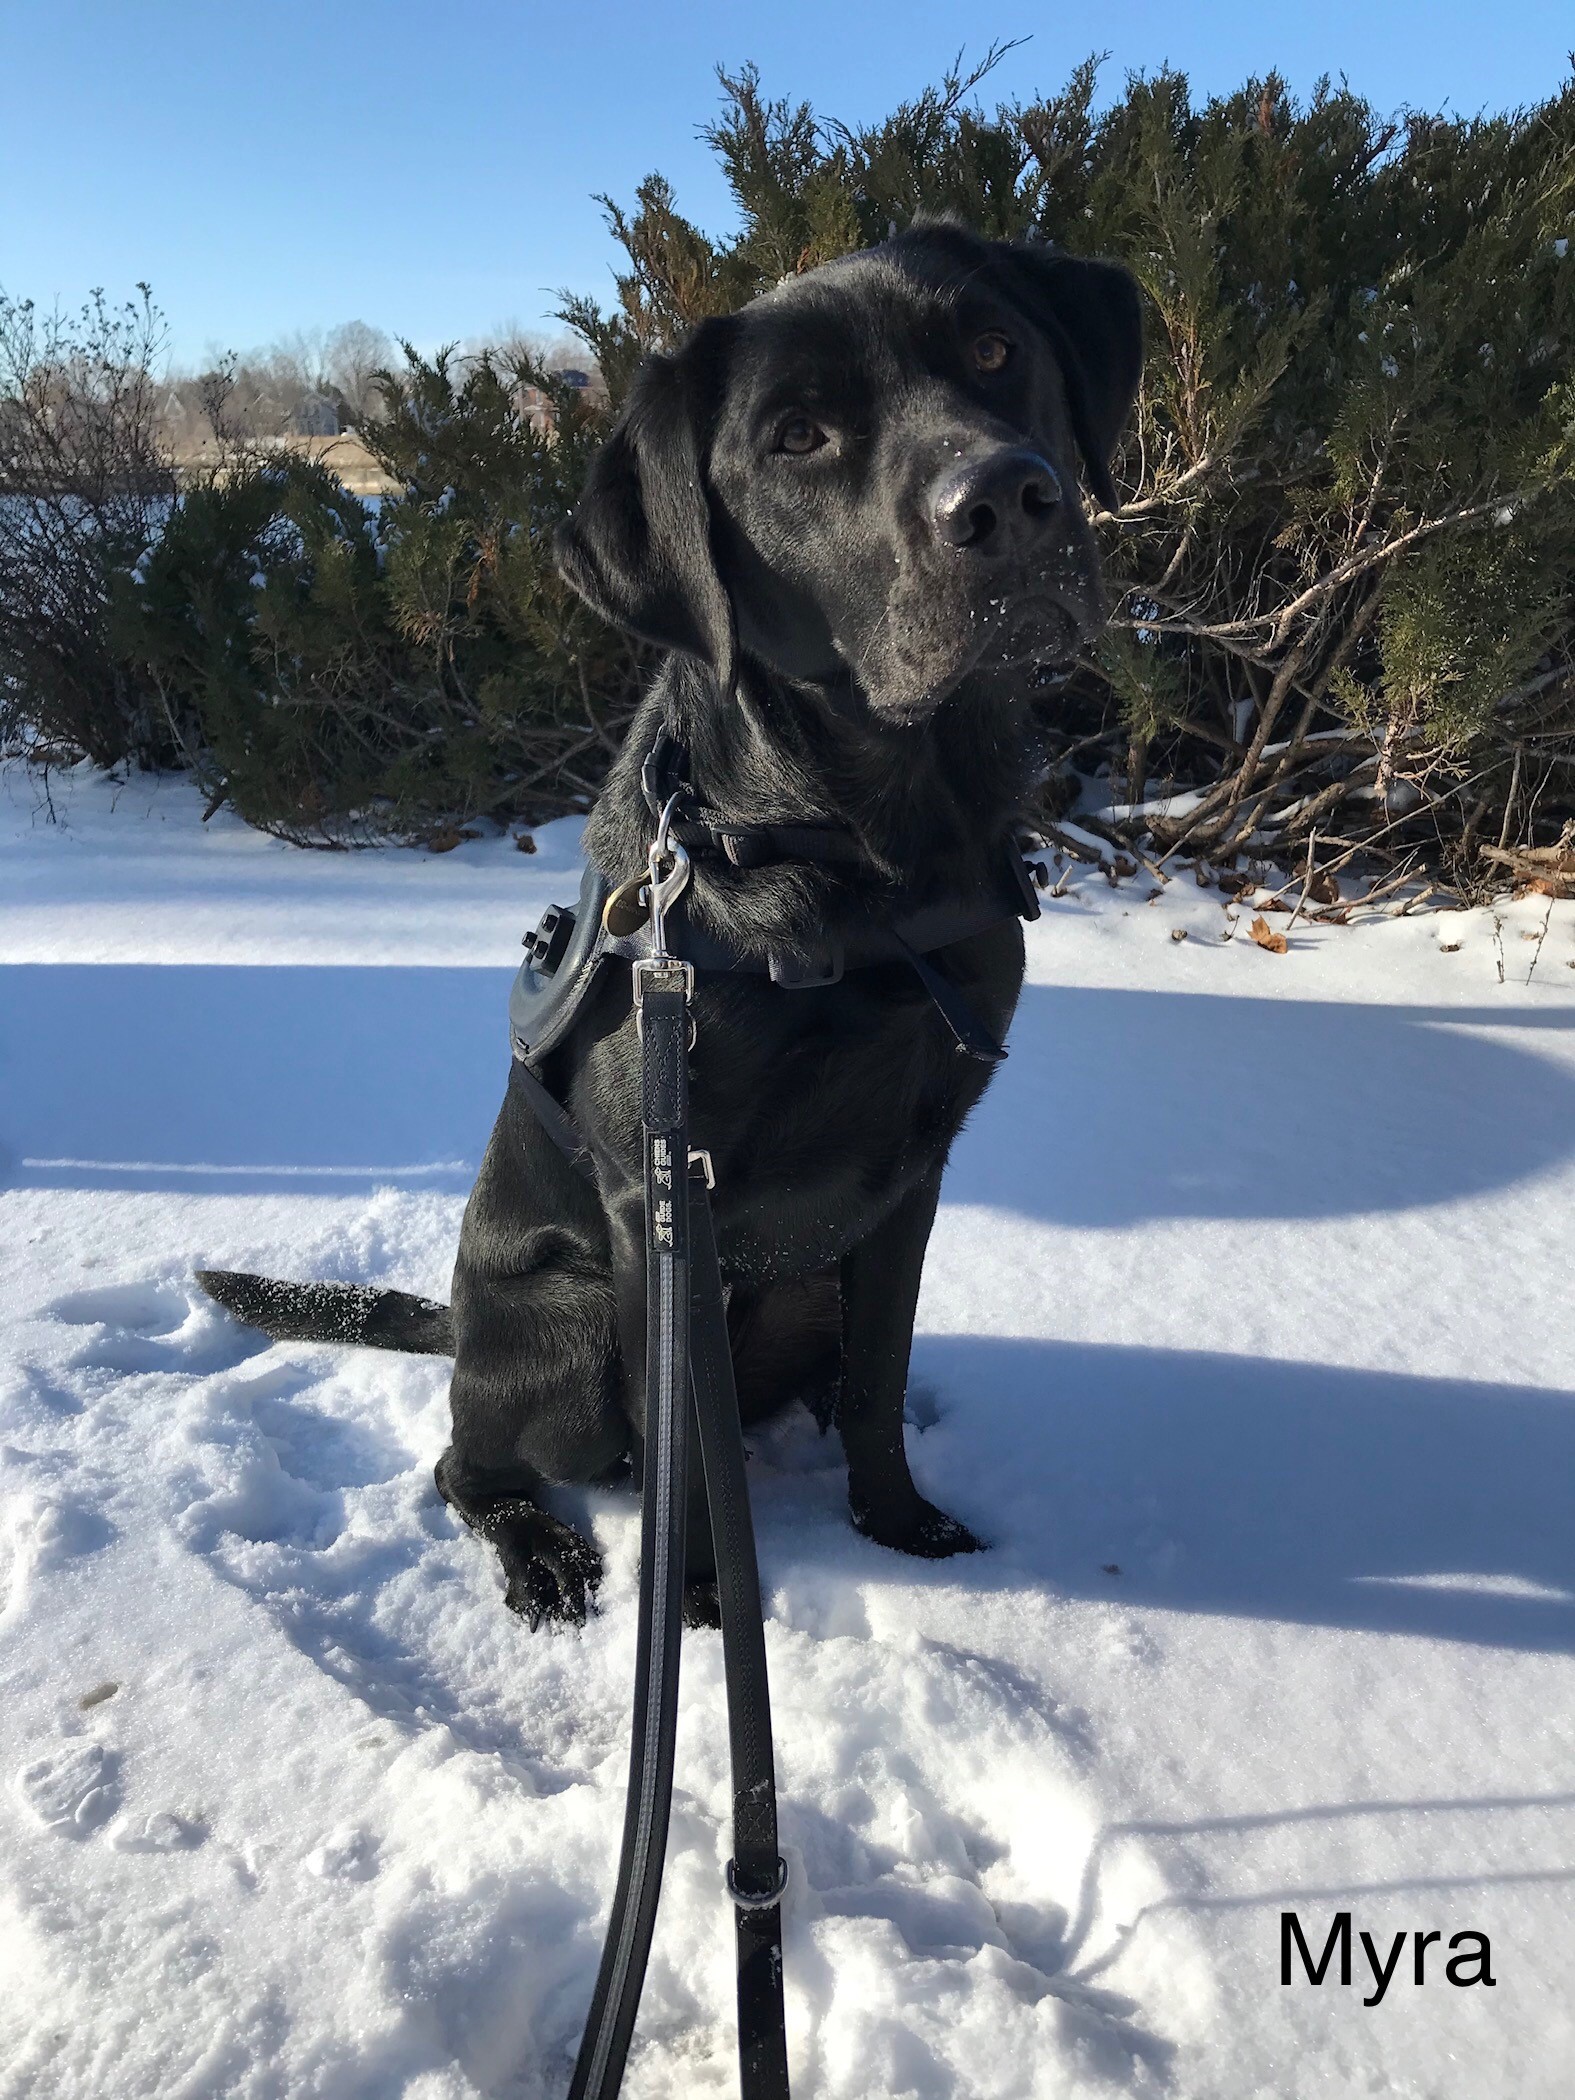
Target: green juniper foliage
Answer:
pixel 1340 580
pixel 257 614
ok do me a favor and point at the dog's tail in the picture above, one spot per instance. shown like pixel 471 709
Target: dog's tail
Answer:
pixel 333 1312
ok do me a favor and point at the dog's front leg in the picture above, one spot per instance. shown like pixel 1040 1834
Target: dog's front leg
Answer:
pixel 627 1222
pixel 880 1294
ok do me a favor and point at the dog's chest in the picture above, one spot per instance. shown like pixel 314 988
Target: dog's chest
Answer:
pixel 820 1110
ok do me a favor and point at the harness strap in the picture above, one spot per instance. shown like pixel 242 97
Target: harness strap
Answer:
pixel 664 1017
pixel 553 1118
pixel 950 1002
pixel 889 938
pixel 758 845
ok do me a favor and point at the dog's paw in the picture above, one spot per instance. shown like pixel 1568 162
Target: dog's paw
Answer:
pixel 924 1531
pixel 702 1606
pixel 553 1573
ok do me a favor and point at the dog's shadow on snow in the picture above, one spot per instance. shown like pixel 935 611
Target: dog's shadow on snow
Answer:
pixel 1115 1106
pixel 1120 1106
pixel 1255 1487
pixel 249 1081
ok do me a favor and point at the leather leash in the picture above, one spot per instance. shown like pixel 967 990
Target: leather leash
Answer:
pixel 689 1384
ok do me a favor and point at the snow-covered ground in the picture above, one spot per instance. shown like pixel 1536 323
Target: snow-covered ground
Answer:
pixel 1247 1339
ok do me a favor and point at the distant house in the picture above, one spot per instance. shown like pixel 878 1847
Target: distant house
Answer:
pixel 317 416
pixel 535 408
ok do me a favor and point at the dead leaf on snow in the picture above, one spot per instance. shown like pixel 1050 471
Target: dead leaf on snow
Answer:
pixel 448 836
pixel 1266 937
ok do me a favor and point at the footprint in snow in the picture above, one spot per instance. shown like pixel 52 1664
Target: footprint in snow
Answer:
pixel 162 1832
pixel 966 1828
pixel 31 1402
pixel 40 1532
pixel 73 1790
pixel 348 1855
pixel 149 1325
pixel 143 1307
pixel 922 1408
pixel 324 1450
pixel 280 1468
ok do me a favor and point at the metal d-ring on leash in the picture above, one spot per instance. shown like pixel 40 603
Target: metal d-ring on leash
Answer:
pixel 689 1382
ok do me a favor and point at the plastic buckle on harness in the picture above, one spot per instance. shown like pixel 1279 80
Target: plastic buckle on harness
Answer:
pixel 751 1899
pixel 662 769
pixel 1028 906
pixel 547 944
pixel 795 975
pixel 699 1157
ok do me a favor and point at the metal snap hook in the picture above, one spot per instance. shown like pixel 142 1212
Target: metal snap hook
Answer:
pixel 664 890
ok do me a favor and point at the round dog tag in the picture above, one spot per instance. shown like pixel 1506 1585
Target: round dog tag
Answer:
pixel 624 913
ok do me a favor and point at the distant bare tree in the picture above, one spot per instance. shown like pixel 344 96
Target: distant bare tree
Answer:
pixel 513 347
pixel 353 355
pixel 85 485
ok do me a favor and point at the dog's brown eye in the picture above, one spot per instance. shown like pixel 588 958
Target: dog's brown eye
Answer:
pixel 991 352
pixel 799 435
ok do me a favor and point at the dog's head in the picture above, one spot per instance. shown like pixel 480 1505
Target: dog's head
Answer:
pixel 872 472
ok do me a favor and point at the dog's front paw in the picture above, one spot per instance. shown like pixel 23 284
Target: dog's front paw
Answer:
pixel 921 1529
pixel 554 1579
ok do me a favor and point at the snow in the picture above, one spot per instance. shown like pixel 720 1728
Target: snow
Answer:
pixel 1180 804
pixel 1246 1340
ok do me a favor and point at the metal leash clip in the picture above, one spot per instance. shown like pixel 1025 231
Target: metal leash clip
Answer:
pixel 661 892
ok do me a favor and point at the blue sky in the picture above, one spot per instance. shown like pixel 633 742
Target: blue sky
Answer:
pixel 431 168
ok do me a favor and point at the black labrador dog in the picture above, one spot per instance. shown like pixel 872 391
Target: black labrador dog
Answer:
pixel 850 514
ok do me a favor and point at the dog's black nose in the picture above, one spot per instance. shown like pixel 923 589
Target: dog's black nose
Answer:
pixel 995 502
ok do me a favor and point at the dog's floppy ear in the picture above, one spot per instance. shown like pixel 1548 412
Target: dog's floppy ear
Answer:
pixel 637 546
pixel 1091 315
